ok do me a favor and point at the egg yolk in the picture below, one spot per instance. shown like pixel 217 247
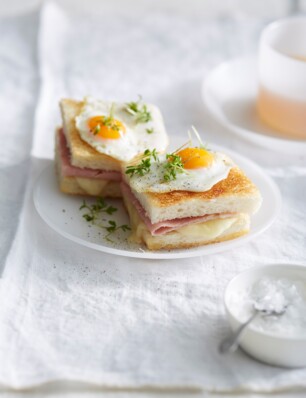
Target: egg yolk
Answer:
pixel 195 158
pixel 106 127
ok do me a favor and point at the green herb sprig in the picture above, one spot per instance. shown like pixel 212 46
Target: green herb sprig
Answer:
pixel 97 129
pixel 173 166
pixel 97 208
pixel 140 112
pixel 144 166
pixel 113 227
pixel 92 216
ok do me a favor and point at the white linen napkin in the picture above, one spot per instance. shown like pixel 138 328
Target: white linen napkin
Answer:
pixel 71 313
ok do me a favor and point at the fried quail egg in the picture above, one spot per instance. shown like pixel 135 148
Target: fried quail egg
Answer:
pixel 113 131
pixel 200 170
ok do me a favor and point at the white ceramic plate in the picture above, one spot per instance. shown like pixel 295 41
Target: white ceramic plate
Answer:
pixel 229 92
pixel 61 212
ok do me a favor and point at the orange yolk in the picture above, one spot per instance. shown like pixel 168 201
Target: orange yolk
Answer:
pixel 105 127
pixel 195 158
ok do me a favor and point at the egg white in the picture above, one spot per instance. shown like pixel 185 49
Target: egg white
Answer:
pixel 193 180
pixel 136 138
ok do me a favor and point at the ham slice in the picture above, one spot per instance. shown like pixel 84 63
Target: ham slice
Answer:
pixel 163 227
pixel 68 170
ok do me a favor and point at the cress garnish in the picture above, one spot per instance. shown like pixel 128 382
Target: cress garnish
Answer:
pixel 144 166
pixel 173 166
pixel 139 111
pixel 94 210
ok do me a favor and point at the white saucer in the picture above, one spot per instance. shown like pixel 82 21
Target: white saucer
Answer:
pixel 229 92
pixel 61 212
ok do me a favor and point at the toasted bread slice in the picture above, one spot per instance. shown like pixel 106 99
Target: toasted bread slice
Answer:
pixel 193 235
pixel 83 185
pixel 235 194
pixel 82 154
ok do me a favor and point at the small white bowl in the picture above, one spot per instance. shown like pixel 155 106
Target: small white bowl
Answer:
pixel 264 346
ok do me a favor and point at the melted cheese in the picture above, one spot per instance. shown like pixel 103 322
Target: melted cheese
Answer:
pixel 92 187
pixel 207 230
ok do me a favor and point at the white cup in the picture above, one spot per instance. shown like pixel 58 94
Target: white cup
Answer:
pixel 281 98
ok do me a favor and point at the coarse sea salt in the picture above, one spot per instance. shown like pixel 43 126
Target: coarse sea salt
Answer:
pixel 271 293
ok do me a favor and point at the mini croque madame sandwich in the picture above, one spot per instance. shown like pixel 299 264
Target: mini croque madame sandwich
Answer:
pixel 97 137
pixel 188 198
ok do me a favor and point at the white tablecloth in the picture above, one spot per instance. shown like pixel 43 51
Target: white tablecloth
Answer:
pixel 70 313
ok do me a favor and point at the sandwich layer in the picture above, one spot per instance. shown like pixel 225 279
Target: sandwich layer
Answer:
pixel 83 181
pixel 163 227
pixel 192 235
pixel 235 194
